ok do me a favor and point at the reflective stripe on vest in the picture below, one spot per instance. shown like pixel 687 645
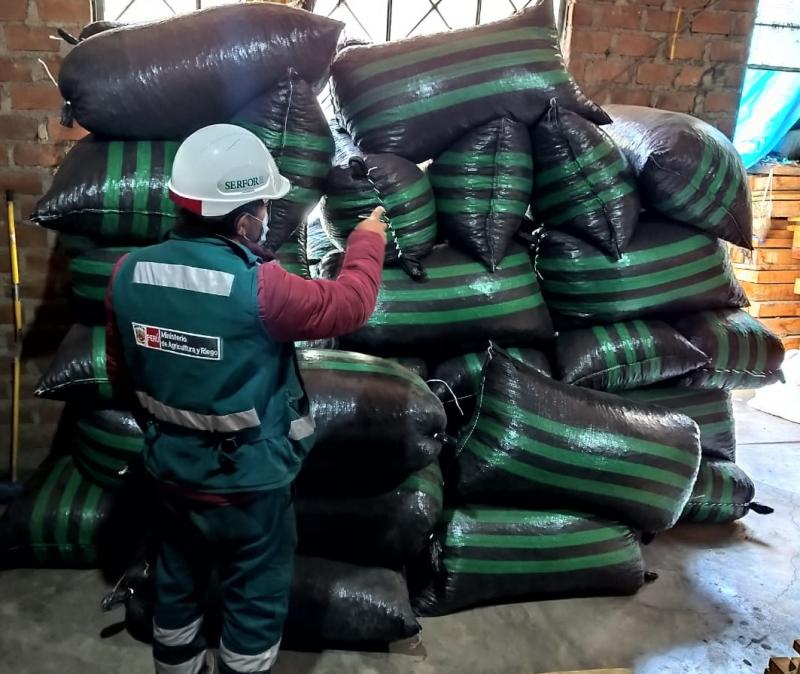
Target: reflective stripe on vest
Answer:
pixel 193 666
pixel 228 423
pixel 181 636
pixel 302 428
pixel 260 662
pixel 182 277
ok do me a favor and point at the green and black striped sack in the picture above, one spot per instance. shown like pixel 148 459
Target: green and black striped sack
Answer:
pixel 723 493
pixel 743 352
pixel 355 189
pixel 415 97
pixel 292 253
pixel 290 122
pixel 113 191
pixel 78 371
pixel 667 269
pixel 317 243
pixel 711 410
pixel 686 169
pixel 384 529
pixel 460 307
pixel 107 445
pixel 482 185
pixel 485 556
pixel 90 274
pixel 534 441
pixel 624 355
pixel 582 182
pixel 457 381
pixel 116 191
pixel 60 520
pixel 376 423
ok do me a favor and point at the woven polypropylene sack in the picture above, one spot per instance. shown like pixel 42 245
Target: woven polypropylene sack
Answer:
pixel 491 556
pixel 668 268
pixel 723 493
pixel 330 603
pixel 376 421
pixel 63 520
pixel 112 190
pixel 317 243
pixel 290 122
pixel 415 97
pixel 386 529
pixel 536 441
pixel 460 307
pixel 292 253
pixel 166 79
pixel 744 353
pixel 354 190
pixel 583 183
pixel 686 169
pixel 106 444
pixel 90 275
pixel 78 371
pixel 457 381
pixel 624 355
pixel 711 410
pixel 482 185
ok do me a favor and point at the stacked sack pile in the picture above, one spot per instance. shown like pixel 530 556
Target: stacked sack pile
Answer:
pixel 371 492
pixel 602 409
pixel 515 222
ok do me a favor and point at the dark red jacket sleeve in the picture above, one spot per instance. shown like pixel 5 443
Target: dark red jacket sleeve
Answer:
pixel 115 363
pixel 293 308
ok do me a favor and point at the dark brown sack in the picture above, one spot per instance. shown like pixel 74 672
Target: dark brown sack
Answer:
pixel 166 79
pixel 686 169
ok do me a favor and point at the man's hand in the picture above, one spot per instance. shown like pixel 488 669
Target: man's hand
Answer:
pixel 374 223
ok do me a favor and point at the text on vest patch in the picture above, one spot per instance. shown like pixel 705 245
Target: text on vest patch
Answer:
pixel 205 347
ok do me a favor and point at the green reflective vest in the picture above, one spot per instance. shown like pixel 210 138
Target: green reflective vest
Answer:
pixel 226 404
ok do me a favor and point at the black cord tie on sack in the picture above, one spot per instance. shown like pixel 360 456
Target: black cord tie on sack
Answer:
pixel 67 37
pixel 761 509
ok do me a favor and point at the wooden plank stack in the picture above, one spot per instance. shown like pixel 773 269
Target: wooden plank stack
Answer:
pixel 770 273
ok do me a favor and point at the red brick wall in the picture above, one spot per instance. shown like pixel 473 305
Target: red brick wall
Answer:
pixel 621 52
pixel 31 144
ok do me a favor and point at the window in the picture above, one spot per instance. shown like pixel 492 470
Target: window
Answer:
pixel 381 20
pixel 372 20
pixel 134 11
pixel 776 36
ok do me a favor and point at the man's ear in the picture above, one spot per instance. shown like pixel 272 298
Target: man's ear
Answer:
pixel 238 225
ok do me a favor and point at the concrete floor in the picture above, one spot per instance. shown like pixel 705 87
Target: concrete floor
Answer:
pixel 727 598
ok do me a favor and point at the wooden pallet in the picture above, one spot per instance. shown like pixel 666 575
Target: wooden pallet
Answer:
pixel 785 665
pixel 774 309
pixel 776 196
pixel 765 258
pixel 769 273
pixel 767 276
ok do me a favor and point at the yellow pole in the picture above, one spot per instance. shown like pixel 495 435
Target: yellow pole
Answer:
pixel 12 251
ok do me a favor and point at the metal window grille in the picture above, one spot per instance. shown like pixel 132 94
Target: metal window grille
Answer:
pixel 776 36
pixel 372 20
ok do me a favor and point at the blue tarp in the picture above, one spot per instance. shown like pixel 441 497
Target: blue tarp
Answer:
pixel 770 106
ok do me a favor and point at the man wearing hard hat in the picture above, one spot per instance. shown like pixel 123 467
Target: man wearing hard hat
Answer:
pixel 202 328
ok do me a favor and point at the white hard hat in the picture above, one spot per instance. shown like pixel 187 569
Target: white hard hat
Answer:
pixel 221 167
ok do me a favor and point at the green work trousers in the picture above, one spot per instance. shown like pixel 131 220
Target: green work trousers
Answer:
pixel 251 544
